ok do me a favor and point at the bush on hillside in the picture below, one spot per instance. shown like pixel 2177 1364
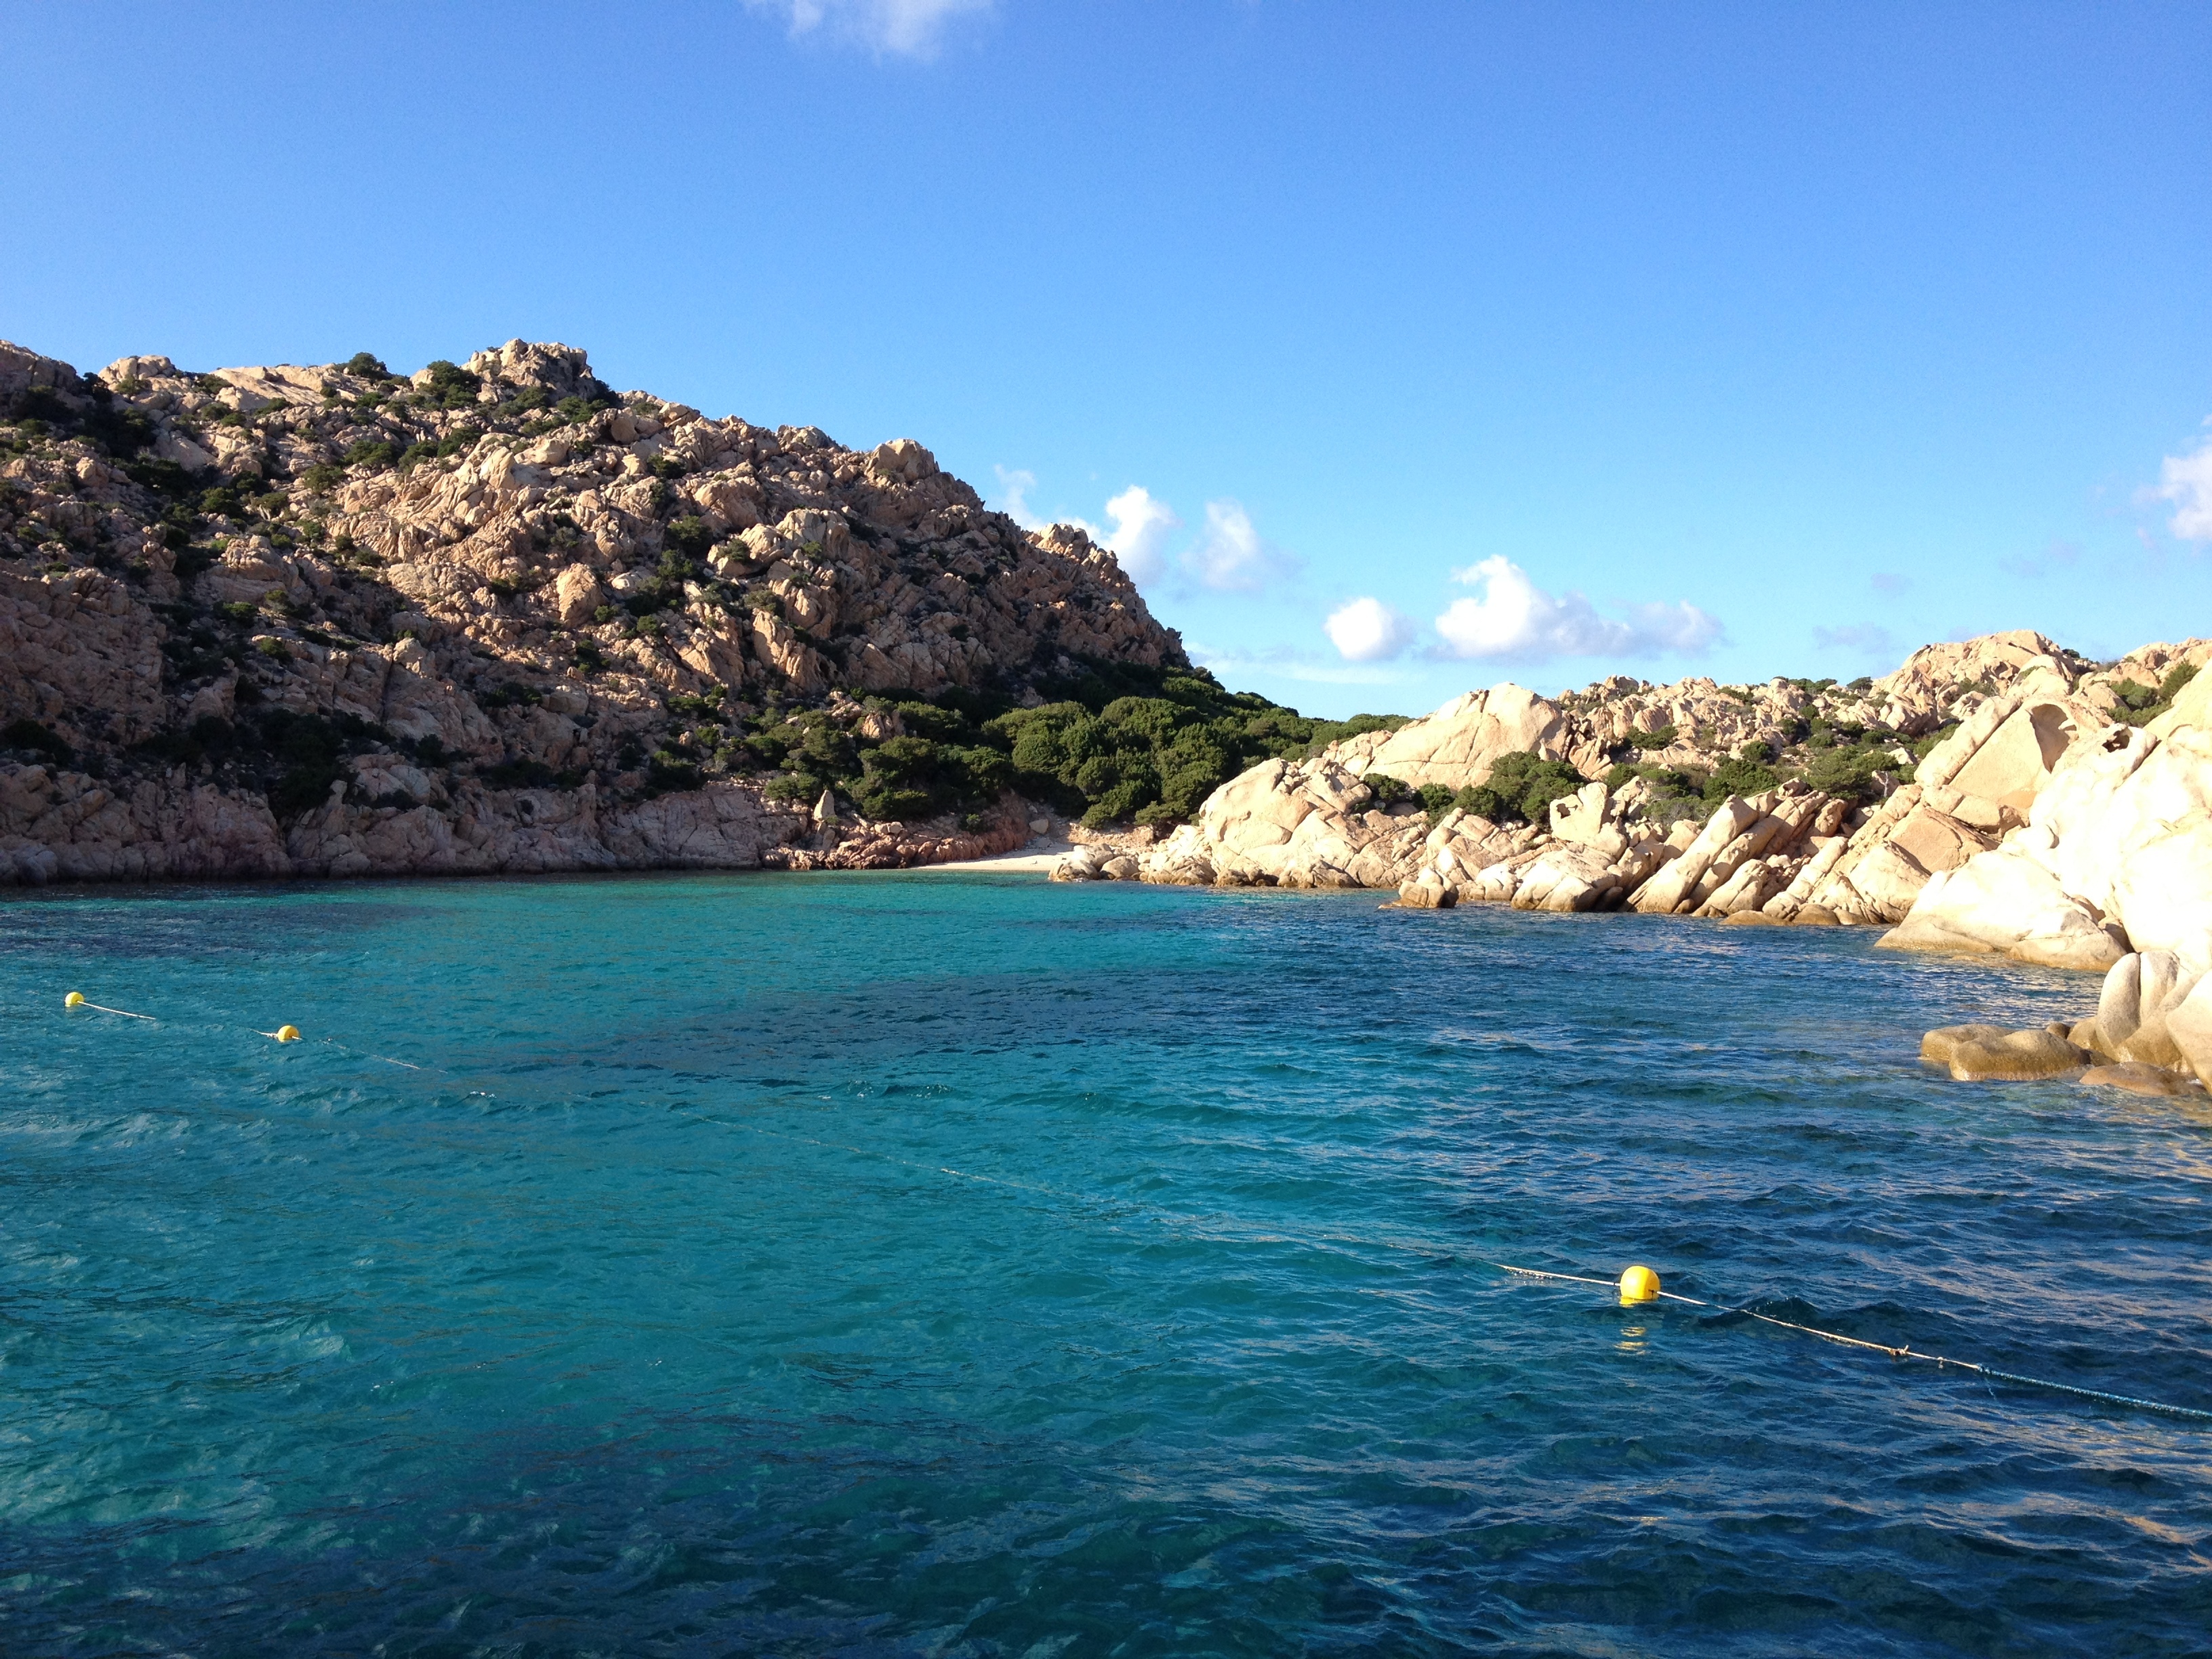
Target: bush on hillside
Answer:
pixel 1747 772
pixel 452 386
pixel 1520 789
pixel 2141 704
pixel 1122 743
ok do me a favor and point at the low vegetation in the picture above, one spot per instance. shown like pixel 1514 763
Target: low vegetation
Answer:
pixel 1117 743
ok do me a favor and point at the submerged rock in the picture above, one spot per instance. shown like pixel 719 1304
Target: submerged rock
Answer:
pixel 2007 1056
pixel 1990 1053
pixel 2138 1079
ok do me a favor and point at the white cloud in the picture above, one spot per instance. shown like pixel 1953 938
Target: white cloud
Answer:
pixel 1231 557
pixel 1367 630
pixel 2186 481
pixel 1014 487
pixel 909 29
pixel 1138 538
pixel 1515 620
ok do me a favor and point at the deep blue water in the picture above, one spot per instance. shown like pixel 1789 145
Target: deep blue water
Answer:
pixel 886 1265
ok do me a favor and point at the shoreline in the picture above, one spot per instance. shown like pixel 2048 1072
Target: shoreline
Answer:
pixel 1037 858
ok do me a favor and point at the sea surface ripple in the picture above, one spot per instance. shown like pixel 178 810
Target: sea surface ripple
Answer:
pixel 963 1265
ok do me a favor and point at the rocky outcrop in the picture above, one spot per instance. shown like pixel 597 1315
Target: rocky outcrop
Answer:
pixel 1459 742
pixel 2151 1034
pixel 2112 871
pixel 294 619
pixel 2039 818
pixel 2114 857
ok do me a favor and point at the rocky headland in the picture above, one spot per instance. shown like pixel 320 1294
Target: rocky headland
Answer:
pixel 329 621
pixel 1998 795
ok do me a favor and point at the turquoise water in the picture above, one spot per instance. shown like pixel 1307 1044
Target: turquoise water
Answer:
pixel 930 1264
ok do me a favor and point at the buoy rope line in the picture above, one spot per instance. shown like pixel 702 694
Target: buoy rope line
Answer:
pixel 1906 1351
pixel 1637 1284
pixel 287 1033
pixel 76 999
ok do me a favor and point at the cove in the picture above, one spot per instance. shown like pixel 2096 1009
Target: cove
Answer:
pixel 965 1264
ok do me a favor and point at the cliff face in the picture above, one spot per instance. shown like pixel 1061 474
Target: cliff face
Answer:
pixel 324 620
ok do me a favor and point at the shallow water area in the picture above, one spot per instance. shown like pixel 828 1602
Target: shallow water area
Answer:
pixel 942 1264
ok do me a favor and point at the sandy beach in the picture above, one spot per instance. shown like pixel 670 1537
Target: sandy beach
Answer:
pixel 1036 858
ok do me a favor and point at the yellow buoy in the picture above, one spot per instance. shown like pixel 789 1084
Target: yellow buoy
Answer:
pixel 74 999
pixel 1639 1283
pixel 291 1034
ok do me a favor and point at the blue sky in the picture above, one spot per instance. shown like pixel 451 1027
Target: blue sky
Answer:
pixel 1402 349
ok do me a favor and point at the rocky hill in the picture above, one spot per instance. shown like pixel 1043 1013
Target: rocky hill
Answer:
pixel 1792 801
pixel 494 616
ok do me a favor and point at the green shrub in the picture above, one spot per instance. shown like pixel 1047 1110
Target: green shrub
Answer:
pixel 123 433
pixel 416 452
pixel 452 386
pixel 690 539
pixel 1659 739
pixel 707 706
pixel 522 775
pixel 163 477
pixel 367 367
pixel 30 735
pixel 795 787
pixel 669 772
pixel 375 455
pixel 1744 773
pixel 1848 772
pixel 305 748
pixel 2142 704
pixel 1921 746
pixel 1387 790
pixel 654 596
pixel 1520 788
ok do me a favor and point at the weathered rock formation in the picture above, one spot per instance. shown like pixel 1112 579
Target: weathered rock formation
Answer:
pixel 322 620
pixel 2036 817
pixel 2114 855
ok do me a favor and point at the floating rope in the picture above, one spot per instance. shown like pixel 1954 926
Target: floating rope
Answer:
pixel 1944 1363
pixel 1900 1353
pixel 76 999
pixel 1637 1284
